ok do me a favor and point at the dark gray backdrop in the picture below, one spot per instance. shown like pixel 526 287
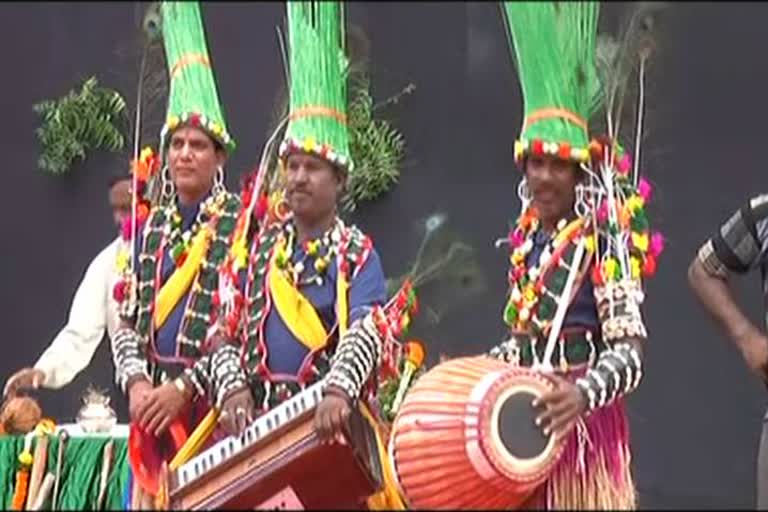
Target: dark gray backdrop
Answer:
pixel 695 419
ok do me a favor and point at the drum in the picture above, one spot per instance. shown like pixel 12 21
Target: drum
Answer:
pixel 465 436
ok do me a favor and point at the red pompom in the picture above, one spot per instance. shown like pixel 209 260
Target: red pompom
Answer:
pixel 597 276
pixel 118 292
pixel 142 212
pixel 194 120
pixel 596 150
pixel 537 147
pixel 245 196
pixel 262 206
pixel 649 266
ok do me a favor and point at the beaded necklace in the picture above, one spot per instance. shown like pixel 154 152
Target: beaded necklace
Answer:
pixel 526 281
pixel 201 305
pixel 179 241
pixel 323 248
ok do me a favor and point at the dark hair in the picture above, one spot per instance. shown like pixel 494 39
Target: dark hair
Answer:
pixel 580 174
pixel 217 145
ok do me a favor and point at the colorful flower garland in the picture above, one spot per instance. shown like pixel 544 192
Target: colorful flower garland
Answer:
pixel 527 283
pixel 143 169
pixel 202 303
pixel 630 219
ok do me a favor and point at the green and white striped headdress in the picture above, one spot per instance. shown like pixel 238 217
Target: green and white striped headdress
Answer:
pixel 193 98
pixel 554 45
pixel 317 81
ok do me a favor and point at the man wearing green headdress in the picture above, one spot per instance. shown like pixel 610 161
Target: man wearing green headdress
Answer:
pixel 306 289
pixel 169 297
pixel 578 253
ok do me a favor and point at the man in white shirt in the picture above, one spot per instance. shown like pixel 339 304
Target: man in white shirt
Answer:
pixel 92 311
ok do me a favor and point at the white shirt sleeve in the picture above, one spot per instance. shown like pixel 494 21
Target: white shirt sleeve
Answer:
pixel 73 348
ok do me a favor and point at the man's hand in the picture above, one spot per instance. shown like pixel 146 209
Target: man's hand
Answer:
pixel 160 408
pixel 754 348
pixel 24 379
pixel 237 411
pixel 564 405
pixel 137 394
pixel 331 416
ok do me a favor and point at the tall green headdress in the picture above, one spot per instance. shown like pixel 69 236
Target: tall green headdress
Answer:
pixel 317 80
pixel 553 45
pixel 193 98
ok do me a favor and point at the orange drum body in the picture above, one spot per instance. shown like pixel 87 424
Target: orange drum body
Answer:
pixel 465 437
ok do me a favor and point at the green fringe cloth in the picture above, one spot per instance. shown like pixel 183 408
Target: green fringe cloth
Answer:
pixel 80 470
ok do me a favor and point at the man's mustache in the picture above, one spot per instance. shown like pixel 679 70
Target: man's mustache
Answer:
pixel 542 190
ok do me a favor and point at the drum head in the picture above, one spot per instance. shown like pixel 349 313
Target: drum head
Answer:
pixel 516 445
pixel 518 432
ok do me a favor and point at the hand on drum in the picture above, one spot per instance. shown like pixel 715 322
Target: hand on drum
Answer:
pixel 331 416
pixel 237 411
pixel 563 406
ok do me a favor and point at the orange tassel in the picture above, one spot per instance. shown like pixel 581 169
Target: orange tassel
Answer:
pixel 20 492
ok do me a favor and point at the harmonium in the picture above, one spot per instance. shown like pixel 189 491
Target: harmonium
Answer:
pixel 279 463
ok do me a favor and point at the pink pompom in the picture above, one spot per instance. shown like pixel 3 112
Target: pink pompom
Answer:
pixel 645 189
pixel 125 228
pixel 602 212
pixel 656 245
pixel 516 238
pixel 625 164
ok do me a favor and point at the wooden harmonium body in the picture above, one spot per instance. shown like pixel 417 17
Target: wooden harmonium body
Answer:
pixel 278 463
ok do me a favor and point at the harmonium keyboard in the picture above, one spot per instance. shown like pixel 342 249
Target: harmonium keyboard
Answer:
pixel 278 463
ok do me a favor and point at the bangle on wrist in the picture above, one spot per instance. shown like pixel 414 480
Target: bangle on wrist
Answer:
pixel 336 391
pixel 184 388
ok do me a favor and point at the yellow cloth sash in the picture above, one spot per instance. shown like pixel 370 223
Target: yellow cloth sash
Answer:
pixel 305 324
pixel 177 285
pixel 295 310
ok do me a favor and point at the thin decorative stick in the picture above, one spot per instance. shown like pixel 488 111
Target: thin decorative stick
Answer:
pixel 44 492
pixel 63 437
pixel 106 466
pixel 38 467
pixel 640 119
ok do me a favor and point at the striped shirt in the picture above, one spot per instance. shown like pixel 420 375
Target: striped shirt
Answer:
pixel 741 244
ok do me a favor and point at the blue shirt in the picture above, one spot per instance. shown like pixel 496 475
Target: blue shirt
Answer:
pixel 583 310
pixel 166 336
pixel 367 289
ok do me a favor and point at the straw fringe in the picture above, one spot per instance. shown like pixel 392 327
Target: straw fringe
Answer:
pixel 594 472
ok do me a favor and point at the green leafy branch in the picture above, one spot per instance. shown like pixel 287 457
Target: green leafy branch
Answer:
pixel 376 147
pixel 78 122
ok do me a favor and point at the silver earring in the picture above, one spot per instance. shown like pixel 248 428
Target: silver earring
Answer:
pixel 218 181
pixel 168 189
pixel 580 206
pixel 524 193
